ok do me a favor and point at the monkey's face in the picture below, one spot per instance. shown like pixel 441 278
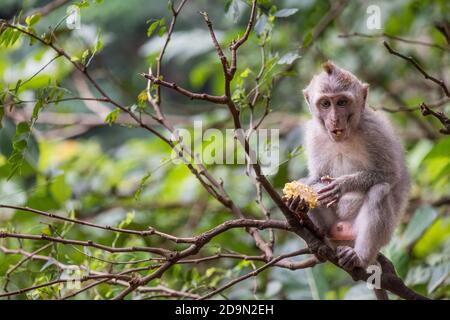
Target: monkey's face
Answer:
pixel 337 114
pixel 336 98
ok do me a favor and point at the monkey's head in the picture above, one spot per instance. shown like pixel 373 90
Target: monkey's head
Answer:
pixel 337 99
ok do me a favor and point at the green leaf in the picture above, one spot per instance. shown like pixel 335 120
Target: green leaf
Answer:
pixel 32 20
pixel 142 97
pixel 289 58
pixel 433 239
pixel 84 56
pixel 37 108
pixel 233 11
pixel 49 263
pixel 260 24
pixel 283 13
pixel 82 4
pixel 245 73
pixel 6 36
pixel 317 282
pixel 18 84
pixel 138 192
pixel 152 27
pixel 60 95
pixel 307 39
pixel 112 116
pixel 423 218
pixel 227 5
pixel 439 150
pixel 418 275
pixel 20 145
pixel 162 31
pixel 437 161
pixel 22 127
pixel 210 272
pixel 438 275
pixel 15 36
pixel 128 220
pixel 98 45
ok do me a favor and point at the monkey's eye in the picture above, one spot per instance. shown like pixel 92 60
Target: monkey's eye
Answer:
pixel 325 104
pixel 342 102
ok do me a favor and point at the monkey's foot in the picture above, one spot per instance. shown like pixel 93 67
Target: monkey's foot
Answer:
pixel 320 254
pixel 348 258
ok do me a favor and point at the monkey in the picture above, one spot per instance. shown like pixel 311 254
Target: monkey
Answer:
pixel 356 164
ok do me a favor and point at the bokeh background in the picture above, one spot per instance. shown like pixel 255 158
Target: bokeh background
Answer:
pixel 75 163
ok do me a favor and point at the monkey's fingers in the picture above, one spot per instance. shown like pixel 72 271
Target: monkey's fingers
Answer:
pixel 347 256
pixel 327 188
pixel 288 200
pixel 326 179
pixel 332 202
pixel 327 198
pixel 294 203
pixel 344 254
pixel 328 193
pixel 301 206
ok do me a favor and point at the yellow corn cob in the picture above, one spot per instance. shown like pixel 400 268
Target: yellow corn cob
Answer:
pixel 307 193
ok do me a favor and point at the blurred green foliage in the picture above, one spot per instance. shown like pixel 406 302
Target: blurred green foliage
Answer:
pixel 120 175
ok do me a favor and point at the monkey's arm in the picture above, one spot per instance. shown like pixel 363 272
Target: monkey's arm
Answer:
pixel 359 181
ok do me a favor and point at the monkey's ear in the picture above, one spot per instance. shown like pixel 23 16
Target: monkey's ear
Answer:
pixel 365 91
pixel 306 95
pixel 329 67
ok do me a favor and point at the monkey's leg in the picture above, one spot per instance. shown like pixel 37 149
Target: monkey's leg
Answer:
pixel 323 218
pixel 373 227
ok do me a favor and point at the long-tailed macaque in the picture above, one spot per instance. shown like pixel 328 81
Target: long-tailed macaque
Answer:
pixel 356 164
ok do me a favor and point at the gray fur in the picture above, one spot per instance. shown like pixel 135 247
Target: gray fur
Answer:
pixel 373 179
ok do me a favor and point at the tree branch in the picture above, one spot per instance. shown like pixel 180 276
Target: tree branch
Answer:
pixel 426 110
pixel 411 60
pixel 185 92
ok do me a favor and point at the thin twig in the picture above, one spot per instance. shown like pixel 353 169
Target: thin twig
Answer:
pixel 306 264
pixel 88 243
pixel 385 35
pixel 426 110
pixel 175 13
pixel 185 92
pixel 427 76
pixel 21 262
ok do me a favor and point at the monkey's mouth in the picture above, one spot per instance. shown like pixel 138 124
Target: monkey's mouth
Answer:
pixel 337 133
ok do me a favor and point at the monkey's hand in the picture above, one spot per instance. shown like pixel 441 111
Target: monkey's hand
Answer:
pixel 298 206
pixel 329 195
